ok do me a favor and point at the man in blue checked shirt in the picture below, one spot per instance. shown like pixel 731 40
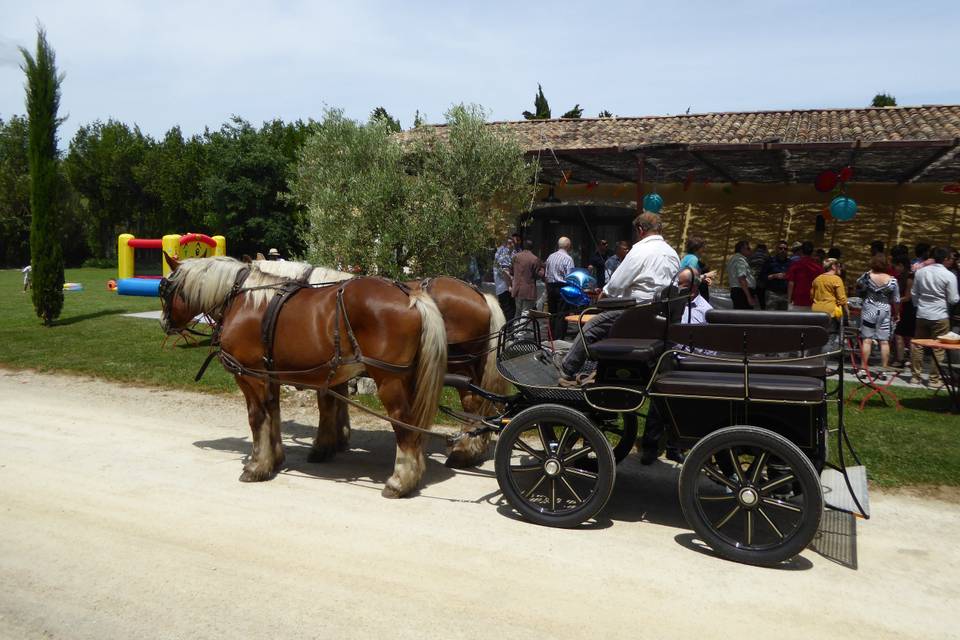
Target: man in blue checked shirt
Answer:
pixel 558 266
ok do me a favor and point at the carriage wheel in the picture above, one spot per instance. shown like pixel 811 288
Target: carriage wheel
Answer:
pixel 554 466
pixel 621 436
pixel 751 495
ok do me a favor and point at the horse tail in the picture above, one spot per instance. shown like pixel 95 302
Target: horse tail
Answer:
pixel 492 380
pixel 431 359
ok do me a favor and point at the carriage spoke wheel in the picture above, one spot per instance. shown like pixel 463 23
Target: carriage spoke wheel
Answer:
pixel 751 495
pixel 621 434
pixel 554 466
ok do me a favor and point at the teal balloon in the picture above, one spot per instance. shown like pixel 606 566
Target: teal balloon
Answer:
pixel 652 202
pixel 843 208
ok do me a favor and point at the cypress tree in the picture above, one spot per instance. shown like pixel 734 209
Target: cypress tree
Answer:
pixel 46 252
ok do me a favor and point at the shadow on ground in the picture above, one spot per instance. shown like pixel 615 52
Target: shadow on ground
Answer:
pixel 641 494
pixel 63 322
pixel 370 458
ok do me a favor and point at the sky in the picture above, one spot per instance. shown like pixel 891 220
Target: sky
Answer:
pixel 194 64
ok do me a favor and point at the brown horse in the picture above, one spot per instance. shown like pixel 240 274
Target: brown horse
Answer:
pixel 472 320
pixel 395 336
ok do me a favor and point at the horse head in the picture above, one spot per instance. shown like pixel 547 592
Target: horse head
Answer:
pixel 175 314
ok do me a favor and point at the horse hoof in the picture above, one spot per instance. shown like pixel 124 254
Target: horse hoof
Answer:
pixel 390 492
pixel 319 455
pixel 461 459
pixel 254 476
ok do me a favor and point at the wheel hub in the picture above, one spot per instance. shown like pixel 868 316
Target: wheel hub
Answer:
pixel 748 497
pixel 552 467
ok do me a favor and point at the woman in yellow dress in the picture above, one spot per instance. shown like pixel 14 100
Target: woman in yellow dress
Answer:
pixel 829 293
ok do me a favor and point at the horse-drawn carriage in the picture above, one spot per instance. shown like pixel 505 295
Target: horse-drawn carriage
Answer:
pixel 746 392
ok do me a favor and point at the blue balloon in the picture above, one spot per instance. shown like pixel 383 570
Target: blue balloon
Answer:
pixel 572 294
pixel 843 208
pixel 652 202
pixel 581 279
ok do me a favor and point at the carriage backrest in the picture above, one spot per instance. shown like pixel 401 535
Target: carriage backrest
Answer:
pixel 749 338
pixel 741 316
pixel 642 321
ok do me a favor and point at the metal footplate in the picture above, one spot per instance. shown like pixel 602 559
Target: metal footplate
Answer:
pixel 836 494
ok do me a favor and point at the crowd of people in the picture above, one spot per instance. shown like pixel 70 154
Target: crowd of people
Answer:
pixel 900 297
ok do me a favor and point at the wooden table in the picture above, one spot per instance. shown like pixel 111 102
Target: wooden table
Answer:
pixel 949 376
pixel 575 317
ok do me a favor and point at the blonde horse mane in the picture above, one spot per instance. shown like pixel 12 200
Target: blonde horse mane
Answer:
pixel 204 283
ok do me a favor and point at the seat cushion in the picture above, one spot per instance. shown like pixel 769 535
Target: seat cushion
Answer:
pixel 812 368
pixel 730 385
pixel 633 349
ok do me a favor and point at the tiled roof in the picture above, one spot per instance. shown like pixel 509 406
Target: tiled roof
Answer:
pixel 785 127
pixel 889 144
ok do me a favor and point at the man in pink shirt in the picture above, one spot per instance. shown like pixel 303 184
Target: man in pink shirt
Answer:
pixel 800 277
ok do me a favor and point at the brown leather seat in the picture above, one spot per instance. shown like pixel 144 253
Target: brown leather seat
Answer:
pixel 812 368
pixel 762 386
pixel 632 349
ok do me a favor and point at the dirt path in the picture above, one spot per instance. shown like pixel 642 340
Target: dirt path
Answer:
pixel 121 517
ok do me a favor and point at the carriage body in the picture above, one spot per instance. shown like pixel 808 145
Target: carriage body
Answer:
pixel 746 392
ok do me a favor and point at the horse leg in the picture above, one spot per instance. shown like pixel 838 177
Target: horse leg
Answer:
pixel 469 450
pixel 276 438
pixel 342 421
pixel 260 466
pixel 326 441
pixel 409 465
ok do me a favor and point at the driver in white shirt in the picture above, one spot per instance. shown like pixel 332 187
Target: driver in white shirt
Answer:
pixel 651 265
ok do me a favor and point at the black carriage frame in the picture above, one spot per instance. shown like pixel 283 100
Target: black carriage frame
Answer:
pixel 621 389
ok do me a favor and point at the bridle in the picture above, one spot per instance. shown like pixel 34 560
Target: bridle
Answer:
pixel 166 292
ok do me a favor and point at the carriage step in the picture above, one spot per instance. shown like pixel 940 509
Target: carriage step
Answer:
pixel 837 495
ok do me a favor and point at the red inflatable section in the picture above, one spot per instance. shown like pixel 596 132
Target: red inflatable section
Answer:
pixel 190 237
pixel 143 243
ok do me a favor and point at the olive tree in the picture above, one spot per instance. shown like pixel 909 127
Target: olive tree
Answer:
pixel 419 203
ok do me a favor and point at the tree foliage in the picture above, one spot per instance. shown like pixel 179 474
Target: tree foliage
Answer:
pixel 46 252
pixel 391 123
pixel 423 207
pixel 246 179
pixel 101 166
pixel 541 108
pixel 604 114
pixel 883 100
pixel 14 193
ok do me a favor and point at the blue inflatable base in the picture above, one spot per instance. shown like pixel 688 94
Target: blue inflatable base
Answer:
pixel 138 287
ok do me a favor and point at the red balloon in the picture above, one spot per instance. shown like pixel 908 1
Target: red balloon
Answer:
pixel 825 181
pixel 845 174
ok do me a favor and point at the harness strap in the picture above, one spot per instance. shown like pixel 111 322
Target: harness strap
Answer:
pixel 269 323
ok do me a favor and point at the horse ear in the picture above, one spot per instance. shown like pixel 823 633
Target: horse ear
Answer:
pixel 172 262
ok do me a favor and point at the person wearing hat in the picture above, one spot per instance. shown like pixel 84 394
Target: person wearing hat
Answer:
pixel 795 250
pixel 273 254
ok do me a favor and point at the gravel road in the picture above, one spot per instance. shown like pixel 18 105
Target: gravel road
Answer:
pixel 121 517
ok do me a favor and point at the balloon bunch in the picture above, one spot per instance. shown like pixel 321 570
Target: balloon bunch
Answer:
pixel 842 207
pixel 578 282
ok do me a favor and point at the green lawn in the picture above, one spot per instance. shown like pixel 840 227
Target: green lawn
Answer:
pixel 916 446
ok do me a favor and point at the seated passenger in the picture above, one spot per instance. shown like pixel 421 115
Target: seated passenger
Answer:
pixel 651 265
pixel 694 313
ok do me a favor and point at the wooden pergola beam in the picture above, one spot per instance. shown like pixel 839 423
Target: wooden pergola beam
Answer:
pixel 713 166
pixel 589 166
pixel 940 156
